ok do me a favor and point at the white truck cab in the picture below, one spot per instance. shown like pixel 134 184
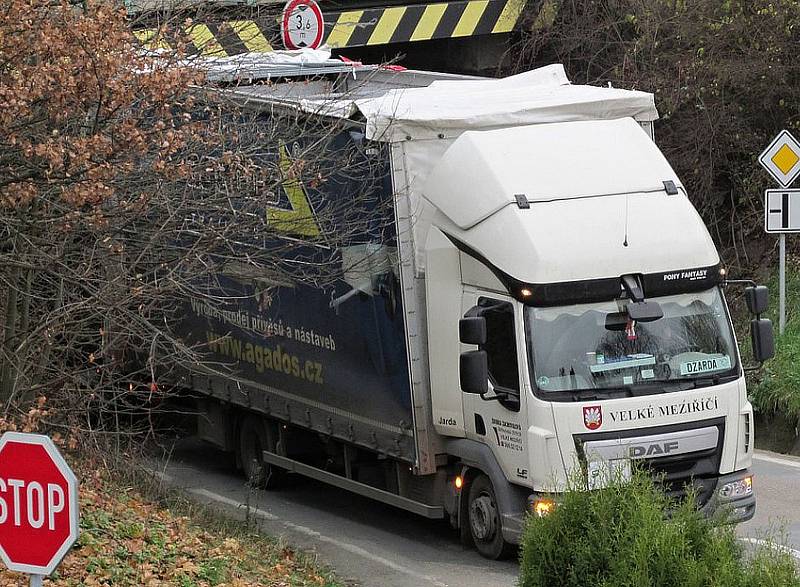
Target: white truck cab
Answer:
pixel 593 325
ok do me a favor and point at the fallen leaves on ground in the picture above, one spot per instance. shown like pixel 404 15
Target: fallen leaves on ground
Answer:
pixel 127 540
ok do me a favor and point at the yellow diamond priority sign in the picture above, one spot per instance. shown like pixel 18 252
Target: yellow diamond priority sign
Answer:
pixel 782 158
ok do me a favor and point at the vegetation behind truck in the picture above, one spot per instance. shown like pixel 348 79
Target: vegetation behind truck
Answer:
pixel 532 295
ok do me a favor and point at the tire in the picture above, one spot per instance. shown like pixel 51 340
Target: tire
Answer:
pixel 483 518
pixel 253 441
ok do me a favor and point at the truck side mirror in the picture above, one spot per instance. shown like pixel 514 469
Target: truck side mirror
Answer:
pixel 474 372
pixel 763 338
pixel 757 298
pixel 472 330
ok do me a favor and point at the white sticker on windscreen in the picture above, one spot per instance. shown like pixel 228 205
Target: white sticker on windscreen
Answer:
pixel 706 365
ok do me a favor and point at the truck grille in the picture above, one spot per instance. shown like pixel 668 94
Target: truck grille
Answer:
pixel 697 470
pixel 677 474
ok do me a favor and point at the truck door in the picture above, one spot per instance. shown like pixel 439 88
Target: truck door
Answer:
pixel 499 419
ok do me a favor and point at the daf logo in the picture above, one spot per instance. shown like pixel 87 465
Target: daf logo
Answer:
pixel 654 449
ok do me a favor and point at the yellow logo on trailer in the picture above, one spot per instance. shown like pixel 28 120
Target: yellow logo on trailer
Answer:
pixel 299 219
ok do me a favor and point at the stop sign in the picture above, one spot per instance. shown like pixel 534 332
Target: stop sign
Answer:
pixel 38 504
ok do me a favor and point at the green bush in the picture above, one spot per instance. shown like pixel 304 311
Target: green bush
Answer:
pixel 620 537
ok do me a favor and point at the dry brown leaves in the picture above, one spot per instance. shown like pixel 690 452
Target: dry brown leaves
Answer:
pixel 81 103
pixel 127 540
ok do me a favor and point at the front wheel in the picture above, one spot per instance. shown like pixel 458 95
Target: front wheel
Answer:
pixel 484 521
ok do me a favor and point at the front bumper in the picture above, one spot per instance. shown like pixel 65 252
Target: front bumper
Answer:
pixel 734 510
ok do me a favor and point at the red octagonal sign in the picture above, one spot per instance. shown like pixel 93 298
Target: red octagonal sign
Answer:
pixel 38 504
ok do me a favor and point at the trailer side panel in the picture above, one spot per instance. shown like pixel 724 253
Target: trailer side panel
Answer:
pixel 332 357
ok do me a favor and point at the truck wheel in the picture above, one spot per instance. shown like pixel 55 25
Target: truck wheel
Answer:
pixel 253 441
pixel 484 520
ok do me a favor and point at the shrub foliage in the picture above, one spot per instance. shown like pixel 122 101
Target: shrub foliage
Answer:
pixel 619 536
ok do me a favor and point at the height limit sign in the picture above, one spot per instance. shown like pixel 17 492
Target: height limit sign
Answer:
pixel 302 25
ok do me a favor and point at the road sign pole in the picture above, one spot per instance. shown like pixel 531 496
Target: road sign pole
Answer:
pixel 782 283
pixel 36 581
pixel 782 160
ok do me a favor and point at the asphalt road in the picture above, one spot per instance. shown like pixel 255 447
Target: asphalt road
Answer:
pixel 366 542
pixel 777 483
pixel 372 544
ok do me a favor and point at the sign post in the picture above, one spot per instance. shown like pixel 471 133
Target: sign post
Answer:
pixel 782 207
pixel 38 505
pixel 782 282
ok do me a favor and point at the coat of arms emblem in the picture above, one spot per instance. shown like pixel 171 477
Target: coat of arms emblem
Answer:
pixel 593 417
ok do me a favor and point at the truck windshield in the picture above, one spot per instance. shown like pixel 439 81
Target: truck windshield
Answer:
pixel 596 346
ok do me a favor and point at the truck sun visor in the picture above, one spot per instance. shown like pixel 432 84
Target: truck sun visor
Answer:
pixel 662 283
pixel 596 290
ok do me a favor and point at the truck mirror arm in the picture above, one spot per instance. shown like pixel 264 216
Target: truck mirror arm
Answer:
pixel 727 282
pixel 503 395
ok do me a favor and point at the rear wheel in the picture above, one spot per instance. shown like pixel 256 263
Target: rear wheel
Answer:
pixel 485 526
pixel 253 441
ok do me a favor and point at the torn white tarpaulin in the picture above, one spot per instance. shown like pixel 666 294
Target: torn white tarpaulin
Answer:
pixel 274 64
pixel 539 96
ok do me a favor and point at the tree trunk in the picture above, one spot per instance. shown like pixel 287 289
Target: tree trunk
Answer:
pixel 7 363
pixel 23 331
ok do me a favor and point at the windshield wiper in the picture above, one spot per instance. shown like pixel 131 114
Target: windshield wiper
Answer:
pixel 713 380
pixel 599 393
pixel 657 387
pixel 632 390
pixel 705 381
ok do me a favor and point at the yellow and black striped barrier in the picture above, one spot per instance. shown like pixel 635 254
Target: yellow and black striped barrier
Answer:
pixel 358 28
pixel 422 22
pixel 231 37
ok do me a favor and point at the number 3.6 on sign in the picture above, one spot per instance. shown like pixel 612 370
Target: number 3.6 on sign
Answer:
pixel 302 25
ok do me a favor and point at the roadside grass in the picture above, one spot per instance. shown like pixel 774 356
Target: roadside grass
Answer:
pixel 621 537
pixel 132 535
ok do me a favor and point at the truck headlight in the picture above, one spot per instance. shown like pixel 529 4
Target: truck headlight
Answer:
pixel 540 506
pixel 735 489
